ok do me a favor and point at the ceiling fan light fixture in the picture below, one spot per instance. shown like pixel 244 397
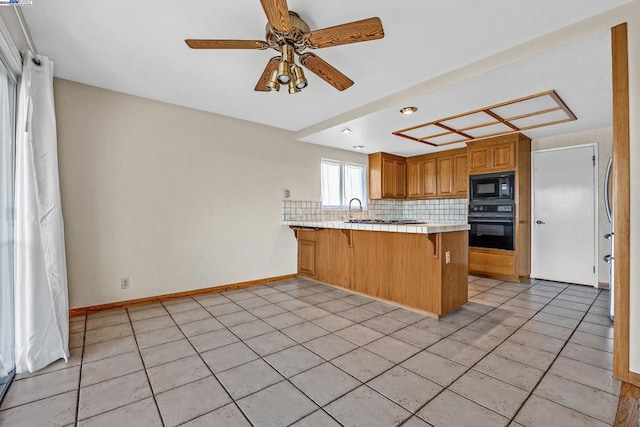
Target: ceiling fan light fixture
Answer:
pixel 273 81
pixel 284 73
pixel 292 88
pixel 298 77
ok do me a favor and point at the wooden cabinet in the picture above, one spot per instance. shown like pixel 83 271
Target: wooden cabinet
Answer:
pixel 306 251
pixel 445 176
pixel 414 178
pixel 387 176
pixel 306 257
pixel 438 175
pixel 502 154
pixel 421 177
pixel 460 175
pixel 429 177
pixel 492 155
pixel 410 269
pixel 401 179
pixel 494 263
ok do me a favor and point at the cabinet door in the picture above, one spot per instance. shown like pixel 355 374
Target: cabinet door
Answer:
pixel 306 257
pixel 388 178
pixel 414 179
pixel 479 159
pixel 401 180
pixel 445 176
pixel 460 175
pixel 504 155
pixel 429 178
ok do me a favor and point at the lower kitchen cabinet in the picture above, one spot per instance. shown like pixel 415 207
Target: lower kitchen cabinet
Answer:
pixel 409 269
pixel 307 257
pixel 494 263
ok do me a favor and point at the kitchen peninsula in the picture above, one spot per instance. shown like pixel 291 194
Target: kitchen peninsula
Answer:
pixel 418 266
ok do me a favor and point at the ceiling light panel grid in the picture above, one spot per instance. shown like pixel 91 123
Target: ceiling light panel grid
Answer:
pixel 529 112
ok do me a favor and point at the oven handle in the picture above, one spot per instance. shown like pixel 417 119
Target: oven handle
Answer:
pixel 491 221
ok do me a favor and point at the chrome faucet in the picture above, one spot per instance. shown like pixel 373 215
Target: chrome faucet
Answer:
pixel 351 201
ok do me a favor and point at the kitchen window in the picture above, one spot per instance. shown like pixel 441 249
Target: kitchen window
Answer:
pixel 341 182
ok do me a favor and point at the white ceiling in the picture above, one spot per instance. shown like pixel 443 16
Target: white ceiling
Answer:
pixel 579 72
pixel 137 47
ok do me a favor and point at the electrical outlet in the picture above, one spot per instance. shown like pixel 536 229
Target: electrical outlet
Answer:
pixel 124 283
pixel 447 257
pixel 287 194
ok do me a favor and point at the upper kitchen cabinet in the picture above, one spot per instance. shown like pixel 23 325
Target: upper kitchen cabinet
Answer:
pixel 438 175
pixel 493 154
pixel 387 176
pixel 460 174
pixel 421 177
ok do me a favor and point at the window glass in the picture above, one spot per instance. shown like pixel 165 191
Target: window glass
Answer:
pixel 341 182
pixel 7 168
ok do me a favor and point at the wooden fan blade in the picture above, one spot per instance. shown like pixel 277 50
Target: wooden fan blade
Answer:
pixel 277 13
pixel 261 86
pixel 326 72
pixel 226 44
pixel 353 32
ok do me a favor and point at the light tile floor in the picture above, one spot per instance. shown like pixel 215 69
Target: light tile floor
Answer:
pixel 305 354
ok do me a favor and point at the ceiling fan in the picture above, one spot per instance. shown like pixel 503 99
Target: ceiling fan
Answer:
pixel 288 34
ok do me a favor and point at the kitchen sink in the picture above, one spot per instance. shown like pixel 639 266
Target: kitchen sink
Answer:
pixel 385 221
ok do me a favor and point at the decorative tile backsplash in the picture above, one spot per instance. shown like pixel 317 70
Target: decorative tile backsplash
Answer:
pixel 432 211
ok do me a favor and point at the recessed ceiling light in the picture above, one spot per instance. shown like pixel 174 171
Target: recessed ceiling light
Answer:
pixel 408 110
pixel 346 130
pixel 358 147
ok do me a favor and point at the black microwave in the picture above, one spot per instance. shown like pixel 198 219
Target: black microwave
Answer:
pixel 491 186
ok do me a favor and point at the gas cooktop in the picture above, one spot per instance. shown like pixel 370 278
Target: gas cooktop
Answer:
pixel 385 221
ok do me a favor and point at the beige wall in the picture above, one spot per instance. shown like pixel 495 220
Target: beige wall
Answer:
pixel 604 140
pixel 173 198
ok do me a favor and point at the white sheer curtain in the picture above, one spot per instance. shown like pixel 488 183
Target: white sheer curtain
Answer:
pixel 7 134
pixel 41 296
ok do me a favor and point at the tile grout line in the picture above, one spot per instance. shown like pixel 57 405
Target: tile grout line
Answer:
pixel 520 327
pixel 208 368
pixel 415 413
pixel 551 364
pixel 361 383
pixel 260 357
pixel 84 336
pixel 55 394
pixel 145 371
pixel 376 315
pixel 356 323
pixel 328 333
pixel 302 345
pixel 505 339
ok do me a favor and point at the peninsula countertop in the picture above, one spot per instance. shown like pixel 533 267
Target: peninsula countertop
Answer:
pixel 426 228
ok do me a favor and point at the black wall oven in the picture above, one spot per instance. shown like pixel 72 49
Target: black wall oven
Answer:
pixel 492 226
pixel 492 187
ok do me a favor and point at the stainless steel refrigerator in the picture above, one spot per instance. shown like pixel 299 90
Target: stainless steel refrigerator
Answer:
pixel 610 235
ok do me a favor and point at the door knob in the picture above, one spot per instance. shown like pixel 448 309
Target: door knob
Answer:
pixel 540 222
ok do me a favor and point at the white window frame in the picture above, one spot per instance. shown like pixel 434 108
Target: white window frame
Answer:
pixel 342 164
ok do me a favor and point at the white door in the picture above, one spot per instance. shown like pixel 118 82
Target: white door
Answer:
pixel 564 215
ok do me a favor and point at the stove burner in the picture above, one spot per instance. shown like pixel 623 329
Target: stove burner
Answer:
pixel 385 221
